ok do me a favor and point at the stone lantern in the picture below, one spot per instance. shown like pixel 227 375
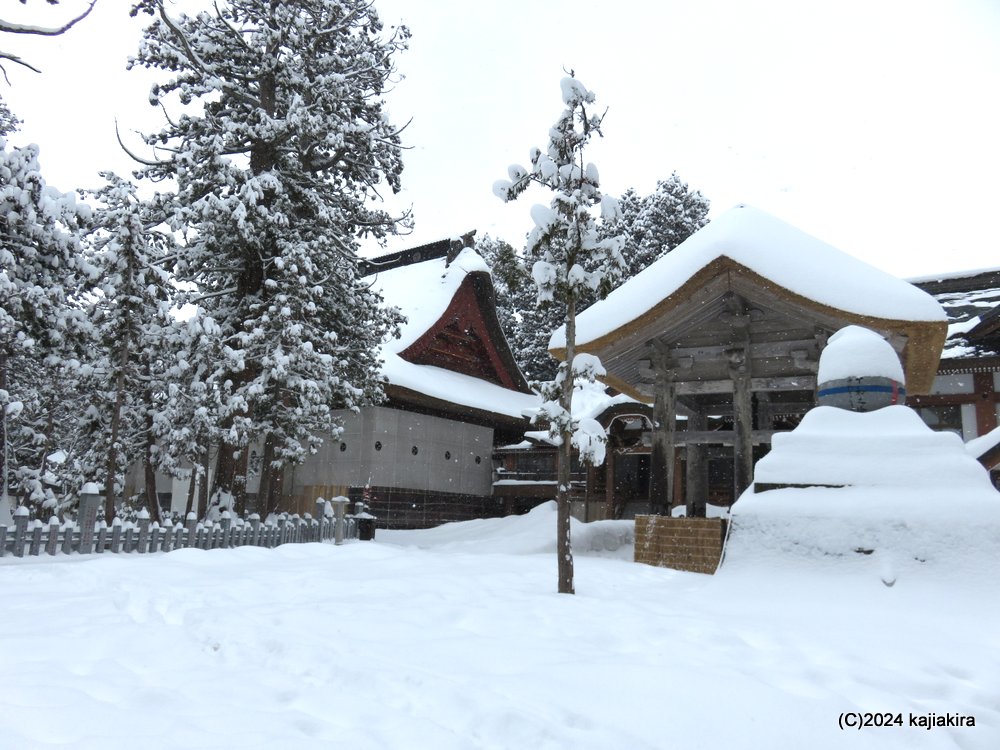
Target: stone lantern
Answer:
pixel 859 371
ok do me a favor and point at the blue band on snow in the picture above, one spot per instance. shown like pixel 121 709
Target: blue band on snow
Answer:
pixel 862 389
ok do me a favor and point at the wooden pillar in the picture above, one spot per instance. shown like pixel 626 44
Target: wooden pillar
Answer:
pixel 611 511
pixel 765 411
pixel 986 403
pixel 739 371
pixel 662 461
pixel 697 469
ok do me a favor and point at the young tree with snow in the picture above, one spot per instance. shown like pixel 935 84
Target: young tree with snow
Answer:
pixel 571 261
pixel 131 319
pixel 40 269
pixel 278 153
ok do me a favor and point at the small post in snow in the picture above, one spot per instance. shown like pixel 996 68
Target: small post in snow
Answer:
pixel 143 531
pixel 90 501
pixel 20 529
pixel 52 545
pixel 339 508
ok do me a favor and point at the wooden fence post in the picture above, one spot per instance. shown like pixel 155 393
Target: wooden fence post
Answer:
pixel 116 535
pixel 52 544
pixel 87 515
pixel 143 531
pixel 20 530
pixel 129 545
pixel 68 530
pixel 339 506
pixel 255 530
pixel 192 525
pixel 168 538
pixel 321 517
pixel 36 537
pixel 154 536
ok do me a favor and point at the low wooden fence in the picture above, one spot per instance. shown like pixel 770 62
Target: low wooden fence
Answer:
pixel 29 537
pixel 692 544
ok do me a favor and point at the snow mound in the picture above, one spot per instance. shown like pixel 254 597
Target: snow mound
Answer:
pixel 899 499
pixel 532 533
pixel 889 447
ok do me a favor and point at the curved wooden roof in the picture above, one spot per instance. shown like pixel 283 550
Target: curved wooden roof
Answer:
pixel 798 289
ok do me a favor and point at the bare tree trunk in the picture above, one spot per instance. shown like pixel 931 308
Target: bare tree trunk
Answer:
pixel 206 464
pixel 149 469
pixel 192 489
pixel 271 479
pixel 4 498
pixel 111 468
pixel 564 546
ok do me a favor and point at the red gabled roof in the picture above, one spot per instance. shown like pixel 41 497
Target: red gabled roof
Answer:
pixel 467 338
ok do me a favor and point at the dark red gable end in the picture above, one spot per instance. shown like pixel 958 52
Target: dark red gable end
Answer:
pixel 467 338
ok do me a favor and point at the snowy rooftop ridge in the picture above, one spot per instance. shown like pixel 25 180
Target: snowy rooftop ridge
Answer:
pixel 422 290
pixel 422 284
pixel 969 298
pixel 971 273
pixel 781 253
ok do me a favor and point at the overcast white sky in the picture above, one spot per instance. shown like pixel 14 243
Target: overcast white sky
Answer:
pixel 872 124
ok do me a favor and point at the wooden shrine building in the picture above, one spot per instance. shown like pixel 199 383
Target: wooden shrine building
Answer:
pixel 723 336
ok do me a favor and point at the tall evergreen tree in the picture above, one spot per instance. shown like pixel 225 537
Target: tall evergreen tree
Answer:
pixel 40 270
pixel 131 319
pixel 276 170
pixel 572 262
pixel 655 224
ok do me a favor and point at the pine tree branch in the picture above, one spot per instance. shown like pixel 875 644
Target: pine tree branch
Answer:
pixel 16 28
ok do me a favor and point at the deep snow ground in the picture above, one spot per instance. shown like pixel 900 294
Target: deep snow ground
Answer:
pixel 454 638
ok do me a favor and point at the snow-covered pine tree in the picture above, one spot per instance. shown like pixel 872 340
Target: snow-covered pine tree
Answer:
pixel 8 121
pixel 131 321
pixel 40 270
pixel 655 224
pixel 572 261
pixel 276 170
pixel 187 425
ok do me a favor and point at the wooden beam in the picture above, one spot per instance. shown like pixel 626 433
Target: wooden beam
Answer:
pixel 757 350
pixel 721 437
pixel 702 387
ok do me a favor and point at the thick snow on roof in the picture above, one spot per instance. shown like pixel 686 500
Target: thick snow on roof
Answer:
pixel 777 251
pixel 967 297
pixel 456 388
pixel 423 291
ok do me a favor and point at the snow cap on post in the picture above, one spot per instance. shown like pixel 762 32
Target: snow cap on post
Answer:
pixel 859 371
